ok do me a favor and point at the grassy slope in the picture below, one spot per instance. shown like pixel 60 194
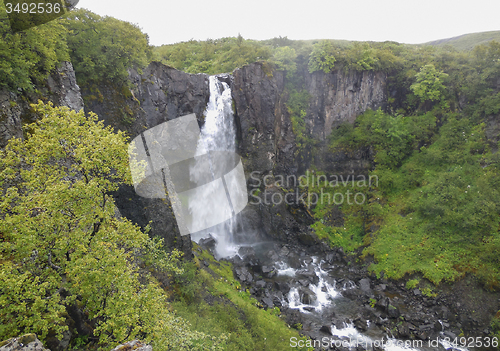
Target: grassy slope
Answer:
pixel 467 41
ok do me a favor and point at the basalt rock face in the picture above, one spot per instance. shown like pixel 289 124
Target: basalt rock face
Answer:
pixel 61 89
pixel 159 94
pixel 268 144
pixel 266 140
pixel 339 97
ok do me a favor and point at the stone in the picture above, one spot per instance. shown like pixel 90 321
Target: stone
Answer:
pixel 392 311
pixel 267 302
pixel 260 284
pixel 364 285
pixel 326 329
pixel 27 342
pixel 135 345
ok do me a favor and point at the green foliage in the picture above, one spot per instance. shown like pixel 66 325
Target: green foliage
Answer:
pixel 412 283
pixel 62 243
pixel 429 84
pixel 104 48
pixel 212 56
pixel 28 57
pixel 284 58
pixel 321 57
pixel 221 307
pixel 394 137
pixel 297 104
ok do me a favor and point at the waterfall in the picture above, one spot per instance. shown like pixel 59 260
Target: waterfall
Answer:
pixel 217 134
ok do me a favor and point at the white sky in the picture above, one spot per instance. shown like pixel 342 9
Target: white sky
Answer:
pixel 404 21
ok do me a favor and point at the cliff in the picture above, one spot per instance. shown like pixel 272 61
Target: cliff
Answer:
pixel 268 143
pixel 61 89
pixel 266 139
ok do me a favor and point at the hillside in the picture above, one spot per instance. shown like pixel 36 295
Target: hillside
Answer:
pixel 467 41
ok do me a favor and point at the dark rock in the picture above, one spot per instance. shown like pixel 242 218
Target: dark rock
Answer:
pixel 266 269
pixel 208 243
pixel 392 311
pixel 360 324
pixel 284 287
pixel 326 329
pixel 260 284
pixel 403 330
pixel 364 285
pixel 267 302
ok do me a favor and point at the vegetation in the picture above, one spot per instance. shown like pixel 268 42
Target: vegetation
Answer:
pixel 215 303
pixel 212 56
pixel 28 57
pixel 104 48
pixel 62 244
pixel 432 213
pixel 467 42
pixel 322 58
pixel 435 207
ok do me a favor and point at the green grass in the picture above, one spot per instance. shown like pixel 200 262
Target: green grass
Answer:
pixel 214 303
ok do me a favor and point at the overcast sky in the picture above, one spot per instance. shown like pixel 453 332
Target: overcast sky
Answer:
pixel 404 21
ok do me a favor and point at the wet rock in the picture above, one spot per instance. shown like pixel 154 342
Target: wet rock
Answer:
pixel 281 286
pixel 267 302
pixel 208 243
pixel 360 324
pixel 352 294
pixel 304 282
pixel 277 301
pixel 284 251
pixel 364 285
pixel 243 275
pixel 268 271
pixel 260 284
pixel 438 327
pixel 392 311
pixel 403 330
pixel 306 296
pixel 326 329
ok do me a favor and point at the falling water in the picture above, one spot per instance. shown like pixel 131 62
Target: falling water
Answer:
pixel 217 134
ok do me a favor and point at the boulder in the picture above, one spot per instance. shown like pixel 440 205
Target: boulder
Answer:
pixel 28 342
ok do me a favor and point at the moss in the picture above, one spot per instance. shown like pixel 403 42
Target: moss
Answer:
pixel 267 68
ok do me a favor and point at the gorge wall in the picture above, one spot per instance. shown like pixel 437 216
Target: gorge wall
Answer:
pixel 60 88
pixel 265 137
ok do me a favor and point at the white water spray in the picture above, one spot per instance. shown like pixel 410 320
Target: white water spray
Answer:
pixel 217 134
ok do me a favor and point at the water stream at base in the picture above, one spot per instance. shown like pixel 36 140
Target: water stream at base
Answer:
pixel 317 300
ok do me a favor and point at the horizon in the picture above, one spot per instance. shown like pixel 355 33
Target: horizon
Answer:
pixel 385 20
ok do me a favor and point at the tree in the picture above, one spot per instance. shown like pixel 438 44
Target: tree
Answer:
pixel 284 58
pixel 321 58
pixel 27 57
pixel 104 47
pixel 429 84
pixel 62 244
